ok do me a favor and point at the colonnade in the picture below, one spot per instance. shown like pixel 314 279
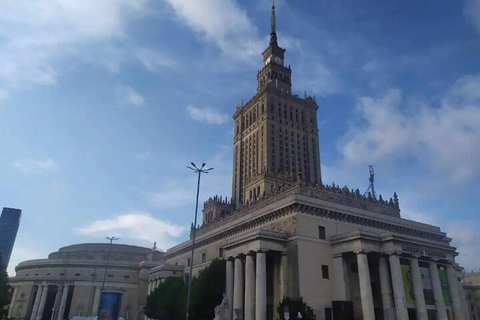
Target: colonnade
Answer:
pixel 392 287
pixel 153 284
pixel 41 299
pixel 253 287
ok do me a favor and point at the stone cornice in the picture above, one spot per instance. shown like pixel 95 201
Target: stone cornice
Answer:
pixel 297 203
pixel 75 266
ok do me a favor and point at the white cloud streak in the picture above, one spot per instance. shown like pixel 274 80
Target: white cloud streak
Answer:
pixel 208 115
pixel 36 33
pixel 447 136
pixel 129 96
pixel 472 12
pixel 136 225
pixel 465 237
pixel 28 166
pixel 155 60
pixel 223 23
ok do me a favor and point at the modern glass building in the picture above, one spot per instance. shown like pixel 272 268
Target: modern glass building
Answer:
pixel 9 222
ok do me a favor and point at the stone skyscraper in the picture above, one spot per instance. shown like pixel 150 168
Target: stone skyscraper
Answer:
pixel 276 133
pixel 9 222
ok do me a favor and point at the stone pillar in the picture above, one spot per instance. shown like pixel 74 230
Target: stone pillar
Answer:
pixel 229 287
pixel 283 275
pixel 41 306
pixel 63 303
pixel 421 308
pixel 463 301
pixel 249 287
pixel 365 286
pixel 38 296
pixel 261 287
pixel 12 302
pixel 238 286
pixel 437 292
pixel 454 292
pixel 150 289
pixel 340 280
pixel 385 286
pixel 56 305
pixel 398 290
pixel 96 302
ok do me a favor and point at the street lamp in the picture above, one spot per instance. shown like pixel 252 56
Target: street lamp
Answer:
pixel 199 171
pixel 111 239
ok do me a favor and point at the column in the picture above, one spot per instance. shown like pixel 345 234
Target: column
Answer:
pixel 453 284
pixel 249 287
pixel 365 286
pixel 238 287
pixel 261 287
pixel 96 302
pixel 56 305
pixel 421 308
pixel 385 286
pixel 229 287
pixel 437 292
pixel 41 306
pixel 12 302
pixel 463 301
pixel 340 281
pixel 38 296
pixel 398 290
pixel 63 303
pixel 150 287
pixel 283 275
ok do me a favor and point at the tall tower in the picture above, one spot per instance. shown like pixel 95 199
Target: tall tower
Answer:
pixel 276 133
pixel 9 223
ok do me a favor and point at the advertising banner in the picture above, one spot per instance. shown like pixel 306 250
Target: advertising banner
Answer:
pixel 442 274
pixel 407 284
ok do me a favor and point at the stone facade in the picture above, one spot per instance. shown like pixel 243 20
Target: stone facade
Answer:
pixel 284 233
pixel 69 282
pixel 471 287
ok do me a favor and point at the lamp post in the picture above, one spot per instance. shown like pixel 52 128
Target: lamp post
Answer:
pixel 199 171
pixel 111 239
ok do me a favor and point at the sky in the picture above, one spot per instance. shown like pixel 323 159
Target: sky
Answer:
pixel 103 104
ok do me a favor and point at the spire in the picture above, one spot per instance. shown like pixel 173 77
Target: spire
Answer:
pixel 273 34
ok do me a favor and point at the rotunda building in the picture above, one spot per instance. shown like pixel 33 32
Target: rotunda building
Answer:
pixel 84 280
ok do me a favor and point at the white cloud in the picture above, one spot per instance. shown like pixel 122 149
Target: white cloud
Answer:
pixel 27 166
pixel 155 60
pixel 129 96
pixel 208 115
pixel 36 33
pixel 223 23
pixel 136 225
pixel 446 136
pixel 465 238
pixel 472 12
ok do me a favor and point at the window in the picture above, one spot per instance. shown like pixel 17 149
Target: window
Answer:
pixel 204 257
pixel 77 274
pixel 126 277
pixel 188 262
pixel 325 272
pixel 321 232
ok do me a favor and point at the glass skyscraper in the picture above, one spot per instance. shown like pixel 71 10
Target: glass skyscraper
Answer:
pixel 9 222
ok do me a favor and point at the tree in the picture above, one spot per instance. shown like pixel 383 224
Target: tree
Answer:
pixel 166 301
pixel 207 290
pixel 4 291
pixel 294 307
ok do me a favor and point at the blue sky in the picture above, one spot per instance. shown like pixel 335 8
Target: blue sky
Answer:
pixel 103 104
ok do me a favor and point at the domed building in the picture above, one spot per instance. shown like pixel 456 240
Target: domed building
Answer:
pixel 69 283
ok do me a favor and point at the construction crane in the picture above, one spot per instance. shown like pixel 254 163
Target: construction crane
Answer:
pixel 371 186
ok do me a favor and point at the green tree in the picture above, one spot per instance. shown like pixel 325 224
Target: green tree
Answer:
pixel 207 290
pixel 4 291
pixel 294 307
pixel 165 302
pixel 168 300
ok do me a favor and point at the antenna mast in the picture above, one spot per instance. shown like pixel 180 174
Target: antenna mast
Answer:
pixel 371 186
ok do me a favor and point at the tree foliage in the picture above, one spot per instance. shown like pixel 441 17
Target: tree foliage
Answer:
pixel 4 291
pixel 295 306
pixel 168 300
